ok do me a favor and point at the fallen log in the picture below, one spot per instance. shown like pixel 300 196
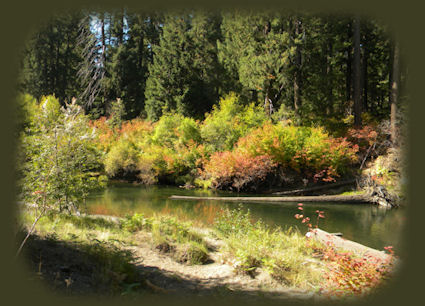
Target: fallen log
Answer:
pixel 316 188
pixel 358 198
pixel 347 245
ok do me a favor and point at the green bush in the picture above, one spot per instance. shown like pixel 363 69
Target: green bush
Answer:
pixel 307 150
pixel 229 121
pixel 122 157
pixel 165 131
pixel 189 131
pixel 60 162
pixel 26 112
pixel 136 223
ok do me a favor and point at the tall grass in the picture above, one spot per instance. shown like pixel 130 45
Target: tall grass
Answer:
pixel 283 254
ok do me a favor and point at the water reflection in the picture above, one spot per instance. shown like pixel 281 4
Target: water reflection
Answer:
pixel 366 224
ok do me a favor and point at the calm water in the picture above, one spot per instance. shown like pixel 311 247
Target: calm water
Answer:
pixel 366 224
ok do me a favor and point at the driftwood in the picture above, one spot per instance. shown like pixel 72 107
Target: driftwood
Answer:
pixel 348 245
pixel 358 198
pixel 329 186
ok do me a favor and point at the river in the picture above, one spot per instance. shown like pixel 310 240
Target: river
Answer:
pixel 367 224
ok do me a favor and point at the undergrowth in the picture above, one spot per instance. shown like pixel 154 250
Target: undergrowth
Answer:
pixel 89 246
pixel 252 245
pixel 171 236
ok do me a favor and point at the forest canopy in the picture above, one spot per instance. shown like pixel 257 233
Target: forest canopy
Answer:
pixel 303 66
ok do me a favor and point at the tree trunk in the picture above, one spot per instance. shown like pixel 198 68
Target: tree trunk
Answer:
pixel 103 40
pixel 357 83
pixel 254 95
pixel 121 28
pixel 394 92
pixel 297 73
pixel 344 244
pixel 360 198
pixel 330 102
pixel 268 106
pixel 348 78
pixel 364 75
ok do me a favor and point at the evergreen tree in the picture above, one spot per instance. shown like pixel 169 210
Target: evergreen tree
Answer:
pixel 51 58
pixel 129 63
pixel 258 47
pixel 184 73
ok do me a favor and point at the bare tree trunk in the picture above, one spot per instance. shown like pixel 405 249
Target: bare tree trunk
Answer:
pixel 357 83
pixel 330 104
pixel 395 91
pixel 103 38
pixel 29 233
pixel 364 76
pixel 297 74
pixel 348 74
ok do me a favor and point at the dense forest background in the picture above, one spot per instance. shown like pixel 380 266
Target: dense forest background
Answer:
pixel 310 68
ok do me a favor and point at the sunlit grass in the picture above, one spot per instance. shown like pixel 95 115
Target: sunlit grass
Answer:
pixel 353 192
pixel 283 254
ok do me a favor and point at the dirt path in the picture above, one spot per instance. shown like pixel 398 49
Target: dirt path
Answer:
pixel 216 277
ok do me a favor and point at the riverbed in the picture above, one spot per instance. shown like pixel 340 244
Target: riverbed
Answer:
pixel 367 224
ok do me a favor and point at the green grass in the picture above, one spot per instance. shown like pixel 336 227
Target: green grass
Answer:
pixel 91 244
pixel 283 254
pixel 172 236
pixel 353 192
pixel 168 233
pixel 286 255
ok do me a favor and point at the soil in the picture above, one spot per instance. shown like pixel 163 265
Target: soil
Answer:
pixel 66 271
pixel 216 277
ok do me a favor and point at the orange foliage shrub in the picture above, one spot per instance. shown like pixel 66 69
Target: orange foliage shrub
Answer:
pixel 135 126
pixel 105 134
pixel 306 150
pixel 363 137
pixel 237 169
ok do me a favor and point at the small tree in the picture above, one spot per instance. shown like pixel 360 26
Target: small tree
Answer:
pixel 59 160
pixel 117 113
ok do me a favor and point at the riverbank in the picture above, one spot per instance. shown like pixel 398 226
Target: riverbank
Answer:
pixel 141 256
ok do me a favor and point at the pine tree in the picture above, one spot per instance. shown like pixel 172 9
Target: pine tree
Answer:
pixel 183 74
pixel 51 58
pixel 258 47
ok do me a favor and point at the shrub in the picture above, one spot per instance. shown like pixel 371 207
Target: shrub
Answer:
pixel 347 273
pixel 106 135
pixel 121 159
pixel 164 133
pixel 306 150
pixel 189 132
pixel 136 223
pixel 26 112
pixel 117 113
pixel 61 160
pixel 237 169
pixel 352 275
pixel 228 121
pixel 136 130
pixel 363 137
pixel 250 245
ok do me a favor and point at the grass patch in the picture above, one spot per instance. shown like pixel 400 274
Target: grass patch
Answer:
pixel 353 192
pixel 282 253
pixel 81 255
pixel 171 235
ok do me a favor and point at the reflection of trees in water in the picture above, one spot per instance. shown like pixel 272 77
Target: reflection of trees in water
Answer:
pixel 209 212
